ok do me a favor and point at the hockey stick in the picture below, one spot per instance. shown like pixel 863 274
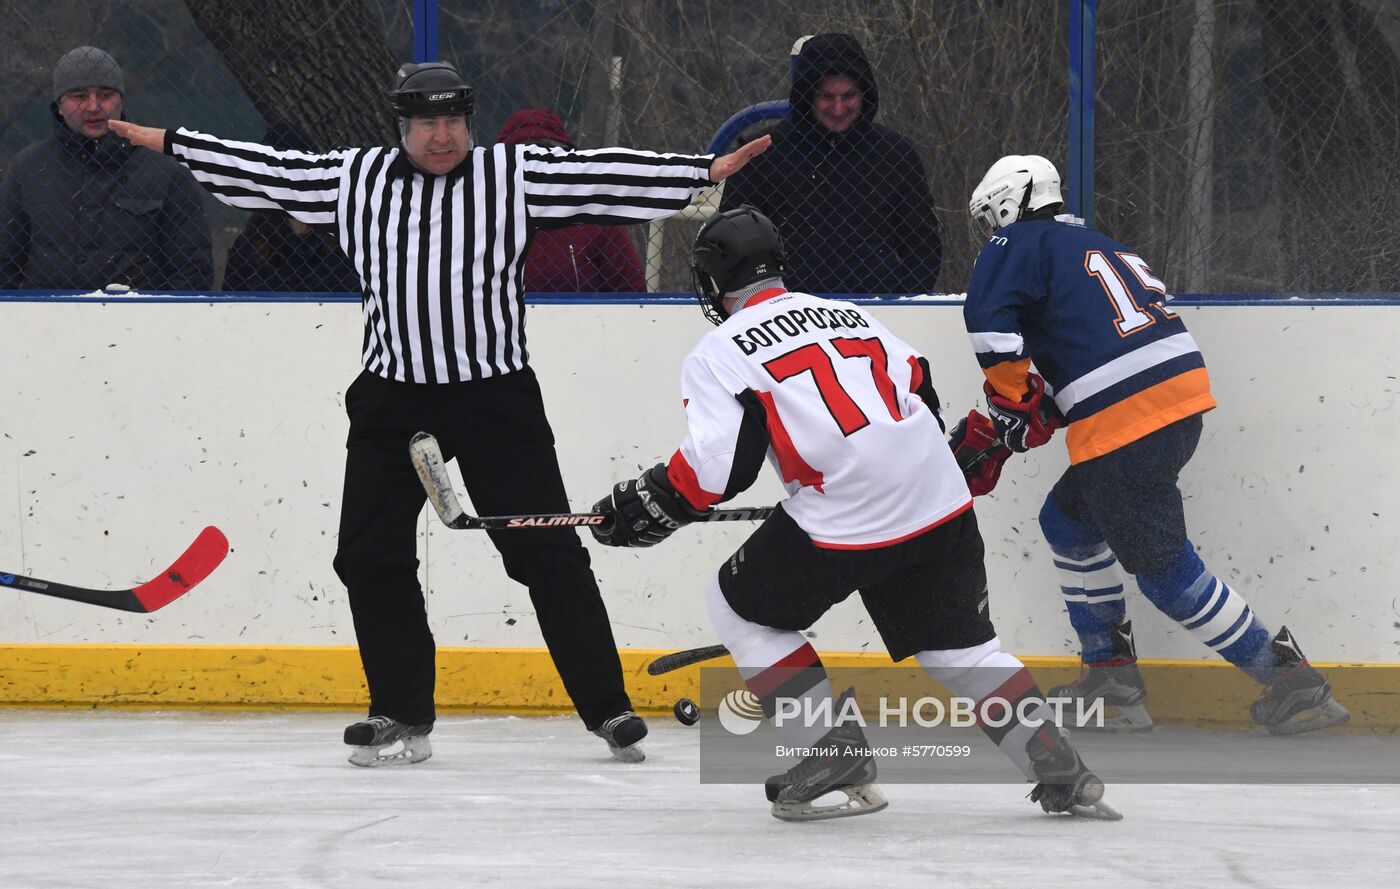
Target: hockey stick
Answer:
pixel 194 564
pixel 678 659
pixel 427 459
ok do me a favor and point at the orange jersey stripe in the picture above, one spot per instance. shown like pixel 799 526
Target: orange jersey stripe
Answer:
pixel 1009 378
pixel 1140 414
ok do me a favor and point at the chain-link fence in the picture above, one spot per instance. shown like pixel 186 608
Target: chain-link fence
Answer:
pixel 1248 145
pixel 956 84
pixel 1242 144
pixel 79 210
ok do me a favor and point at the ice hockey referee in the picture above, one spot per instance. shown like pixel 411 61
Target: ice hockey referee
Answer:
pixel 437 228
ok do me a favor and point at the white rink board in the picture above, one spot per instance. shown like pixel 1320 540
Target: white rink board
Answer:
pixel 124 429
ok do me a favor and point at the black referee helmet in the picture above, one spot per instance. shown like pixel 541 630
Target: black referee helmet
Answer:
pixel 430 88
pixel 732 250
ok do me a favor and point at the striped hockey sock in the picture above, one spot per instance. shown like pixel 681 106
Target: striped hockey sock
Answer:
pixel 1091 581
pixel 1005 691
pixel 1214 613
pixel 1092 586
pixel 776 664
pixel 999 716
pixel 798 682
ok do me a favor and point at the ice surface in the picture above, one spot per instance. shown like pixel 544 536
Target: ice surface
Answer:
pixel 199 799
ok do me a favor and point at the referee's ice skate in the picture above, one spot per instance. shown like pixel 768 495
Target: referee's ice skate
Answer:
pixel 624 734
pixel 406 743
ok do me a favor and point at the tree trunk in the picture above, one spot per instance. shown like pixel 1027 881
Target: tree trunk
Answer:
pixel 1200 148
pixel 319 65
pixel 602 120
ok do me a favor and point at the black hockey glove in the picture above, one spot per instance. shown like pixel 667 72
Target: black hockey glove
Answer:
pixel 644 511
pixel 979 453
pixel 1025 424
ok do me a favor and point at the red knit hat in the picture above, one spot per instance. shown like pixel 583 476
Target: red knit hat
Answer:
pixel 534 123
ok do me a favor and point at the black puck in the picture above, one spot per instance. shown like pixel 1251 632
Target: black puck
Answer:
pixel 686 712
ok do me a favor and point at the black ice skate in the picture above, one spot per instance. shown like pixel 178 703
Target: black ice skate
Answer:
pixel 1298 699
pixel 379 733
pixel 1117 682
pixel 1066 784
pixel 624 733
pixel 840 762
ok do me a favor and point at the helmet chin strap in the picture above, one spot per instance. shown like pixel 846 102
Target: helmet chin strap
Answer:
pixel 1025 199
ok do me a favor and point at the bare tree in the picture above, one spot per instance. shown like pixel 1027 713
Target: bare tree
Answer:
pixel 1333 80
pixel 318 64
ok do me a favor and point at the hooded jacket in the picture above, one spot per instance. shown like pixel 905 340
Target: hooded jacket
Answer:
pixel 582 258
pixel 79 214
pixel 854 208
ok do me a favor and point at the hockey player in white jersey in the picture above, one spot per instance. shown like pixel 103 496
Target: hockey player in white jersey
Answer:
pixel 846 413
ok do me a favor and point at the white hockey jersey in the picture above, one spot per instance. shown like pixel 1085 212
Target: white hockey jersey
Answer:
pixel 841 407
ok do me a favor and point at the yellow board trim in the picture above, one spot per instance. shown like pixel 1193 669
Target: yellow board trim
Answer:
pixel 523 680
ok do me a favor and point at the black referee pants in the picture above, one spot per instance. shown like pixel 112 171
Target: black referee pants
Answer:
pixel 497 430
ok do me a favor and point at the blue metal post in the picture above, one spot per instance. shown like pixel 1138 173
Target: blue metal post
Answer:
pixel 1082 45
pixel 425 30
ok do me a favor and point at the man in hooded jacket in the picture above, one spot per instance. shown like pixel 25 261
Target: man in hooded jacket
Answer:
pixel 848 195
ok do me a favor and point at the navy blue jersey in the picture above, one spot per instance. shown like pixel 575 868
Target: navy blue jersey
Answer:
pixel 1089 313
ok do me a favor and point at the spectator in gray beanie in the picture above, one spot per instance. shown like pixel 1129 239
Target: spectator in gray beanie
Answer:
pixel 86 66
pixel 80 210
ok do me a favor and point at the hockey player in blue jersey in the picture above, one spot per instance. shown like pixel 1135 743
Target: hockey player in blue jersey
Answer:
pixel 1118 368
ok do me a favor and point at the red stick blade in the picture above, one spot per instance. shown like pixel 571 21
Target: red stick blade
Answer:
pixel 194 564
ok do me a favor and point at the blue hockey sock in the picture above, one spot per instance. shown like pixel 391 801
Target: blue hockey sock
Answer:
pixel 1212 611
pixel 1090 580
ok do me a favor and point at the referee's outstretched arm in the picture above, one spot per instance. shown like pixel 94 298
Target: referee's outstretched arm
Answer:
pixel 727 165
pixel 721 168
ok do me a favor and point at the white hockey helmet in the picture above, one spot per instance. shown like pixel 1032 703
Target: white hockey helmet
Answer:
pixel 1015 185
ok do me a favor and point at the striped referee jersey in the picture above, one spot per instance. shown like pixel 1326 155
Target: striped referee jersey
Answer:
pixel 440 257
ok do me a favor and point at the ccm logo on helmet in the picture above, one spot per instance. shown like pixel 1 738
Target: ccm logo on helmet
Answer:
pixel 436 97
pixel 550 521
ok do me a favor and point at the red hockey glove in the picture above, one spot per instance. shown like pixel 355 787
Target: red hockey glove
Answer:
pixel 644 511
pixel 1029 423
pixel 979 454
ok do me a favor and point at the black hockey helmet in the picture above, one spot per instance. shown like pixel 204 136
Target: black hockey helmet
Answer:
pixel 732 250
pixel 430 88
